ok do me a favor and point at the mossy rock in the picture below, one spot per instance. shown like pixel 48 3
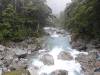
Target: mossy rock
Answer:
pixel 17 72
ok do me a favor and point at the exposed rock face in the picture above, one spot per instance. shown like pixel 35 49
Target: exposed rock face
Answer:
pixel 59 72
pixel 15 56
pixel 87 62
pixel 79 44
pixel 47 59
pixel 65 56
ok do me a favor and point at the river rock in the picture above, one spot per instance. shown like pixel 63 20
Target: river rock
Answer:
pixel 47 59
pixel 2 48
pixel 59 72
pixel 79 44
pixel 87 61
pixel 18 64
pixel 33 70
pixel 21 53
pixel 65 56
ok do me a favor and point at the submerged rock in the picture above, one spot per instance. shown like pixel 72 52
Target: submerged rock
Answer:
pixel 59 72
pixel 65 56
pixel 47 59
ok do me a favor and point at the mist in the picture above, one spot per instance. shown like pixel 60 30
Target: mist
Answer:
pixel 57 5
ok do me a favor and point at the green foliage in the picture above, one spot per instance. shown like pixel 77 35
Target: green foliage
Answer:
pixel 20 19
pixel 83 18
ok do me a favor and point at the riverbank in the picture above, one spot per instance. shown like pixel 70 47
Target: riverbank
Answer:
pixel 17 56
pixel 91 62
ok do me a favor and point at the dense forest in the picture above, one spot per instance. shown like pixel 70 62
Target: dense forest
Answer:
pixel 20 19
pixel 82 17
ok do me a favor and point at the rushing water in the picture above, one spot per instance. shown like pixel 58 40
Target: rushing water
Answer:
pixel 55 44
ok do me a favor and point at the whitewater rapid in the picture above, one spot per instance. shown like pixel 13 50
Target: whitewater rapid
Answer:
pixel 56 43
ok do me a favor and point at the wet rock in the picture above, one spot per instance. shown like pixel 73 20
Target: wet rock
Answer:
pixel 47 59
pixel 59 72
pixel 33 70
pixel 65 56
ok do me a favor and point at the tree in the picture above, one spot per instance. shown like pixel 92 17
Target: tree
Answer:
pixel 20 19
pixel 82 17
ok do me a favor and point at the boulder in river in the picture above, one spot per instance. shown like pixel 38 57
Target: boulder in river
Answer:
pixel 59 72
pixel 47 59
pixel 65 56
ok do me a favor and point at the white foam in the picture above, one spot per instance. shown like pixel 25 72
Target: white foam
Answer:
pixel 71 66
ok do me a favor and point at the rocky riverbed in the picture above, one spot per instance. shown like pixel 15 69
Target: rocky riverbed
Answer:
pixel 50 55
pixel 91 62
pixel 16 56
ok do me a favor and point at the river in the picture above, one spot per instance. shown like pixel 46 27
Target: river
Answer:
pixel 57 55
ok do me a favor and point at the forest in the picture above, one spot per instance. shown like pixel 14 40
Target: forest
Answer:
pixel 20 19
pixel 82 18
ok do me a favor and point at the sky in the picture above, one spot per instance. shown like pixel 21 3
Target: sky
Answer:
pixel 57 5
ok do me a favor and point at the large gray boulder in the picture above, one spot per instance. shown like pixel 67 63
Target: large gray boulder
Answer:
pixel 87 61
pixel 59 72
pixel 65 56
pixel 47 59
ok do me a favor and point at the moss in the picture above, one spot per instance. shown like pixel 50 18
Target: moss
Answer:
pixel 17 72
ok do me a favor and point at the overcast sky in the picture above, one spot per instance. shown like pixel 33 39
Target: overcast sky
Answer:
pixel 57 5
